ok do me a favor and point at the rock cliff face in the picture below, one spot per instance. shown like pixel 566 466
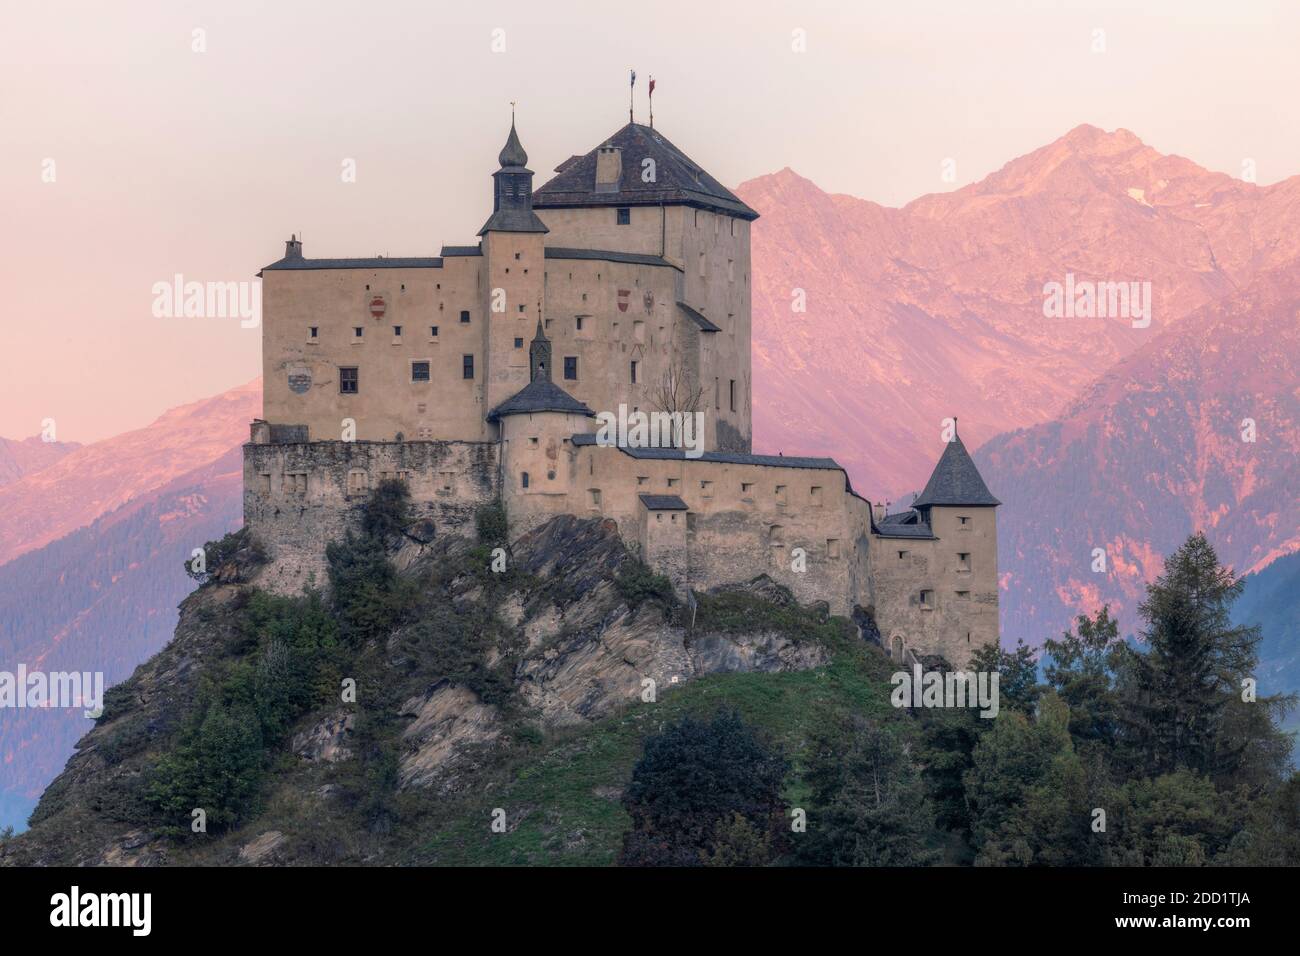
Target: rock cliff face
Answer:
pixel 573 642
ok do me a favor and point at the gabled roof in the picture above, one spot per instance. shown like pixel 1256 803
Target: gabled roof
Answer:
pixel 678 180
pixel 663 503
pixel 539 396
pixel 955 481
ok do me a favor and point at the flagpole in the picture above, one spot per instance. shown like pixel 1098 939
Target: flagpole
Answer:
pixel 631 90
pixel 651 97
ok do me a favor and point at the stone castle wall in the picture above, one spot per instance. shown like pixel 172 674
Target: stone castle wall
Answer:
pixel 299 497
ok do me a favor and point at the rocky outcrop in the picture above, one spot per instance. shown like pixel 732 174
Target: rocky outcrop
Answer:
pixel 589 652
pixel 553 642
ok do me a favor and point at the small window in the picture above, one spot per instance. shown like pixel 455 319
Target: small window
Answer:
pixel 927 600
pixel 815 493
pixel 746 487
pixel 433 331
pixel 963 522
pixel 595 497
pixel 642 480
pixel 571 368
pixel 577 319
pixel 963 561
pixel 464 318
pixel 963 595
pixel 632 371
pixel 313 332
pixel 419 371
pixel 467 367
pixel 524 479
pixel 733 394
pixel 348 381
pixel 902 555
pixel 519 343
pixel 624 216
pixel 397 331
pixel 672 482
pixel 706 489
pixel 357 331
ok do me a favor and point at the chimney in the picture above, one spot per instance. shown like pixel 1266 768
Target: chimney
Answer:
pixel 609 169
pixel 293 248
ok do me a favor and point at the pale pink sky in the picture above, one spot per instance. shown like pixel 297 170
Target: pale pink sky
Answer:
pixel 168 161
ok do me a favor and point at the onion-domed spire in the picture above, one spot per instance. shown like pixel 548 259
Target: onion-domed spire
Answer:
pixel 512 154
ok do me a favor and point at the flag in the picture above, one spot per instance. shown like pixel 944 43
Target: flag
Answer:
pixel 633 83
pixel 652 86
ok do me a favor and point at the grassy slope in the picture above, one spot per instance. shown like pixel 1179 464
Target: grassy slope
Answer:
pixel 562 806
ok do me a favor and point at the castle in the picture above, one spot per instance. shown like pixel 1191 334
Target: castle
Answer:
pixel 622 285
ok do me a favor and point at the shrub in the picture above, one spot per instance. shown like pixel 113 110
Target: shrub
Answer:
pixel 490 522
pixel 691 784
pixel 387 511
pixel 637 583
pixel 217 768
pixel 237 545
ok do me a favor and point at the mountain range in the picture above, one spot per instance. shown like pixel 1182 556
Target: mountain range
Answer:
pixel 935 310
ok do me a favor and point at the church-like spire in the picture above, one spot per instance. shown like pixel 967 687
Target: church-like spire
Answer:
pixel 539 356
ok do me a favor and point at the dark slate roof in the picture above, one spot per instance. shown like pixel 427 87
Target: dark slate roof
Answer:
pixel 704 324
pixel 513 220
pixel 379 262
pixel 956 481
pixel 539 396
pixel 724 457
pixel 608 255
pixel 678 180
pixel 905 524
pixel 454 251
pixel 663 503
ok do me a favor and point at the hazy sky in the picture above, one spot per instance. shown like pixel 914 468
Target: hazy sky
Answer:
pixel 167 160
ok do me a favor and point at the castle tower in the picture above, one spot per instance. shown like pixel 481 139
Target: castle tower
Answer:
pixel 536 427
pixel 962 515
pixel 637 194
pixel 514 272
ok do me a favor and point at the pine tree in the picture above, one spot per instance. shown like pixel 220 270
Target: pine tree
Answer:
pixel 1183 693
pixel 868 805
pixel 1080 667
